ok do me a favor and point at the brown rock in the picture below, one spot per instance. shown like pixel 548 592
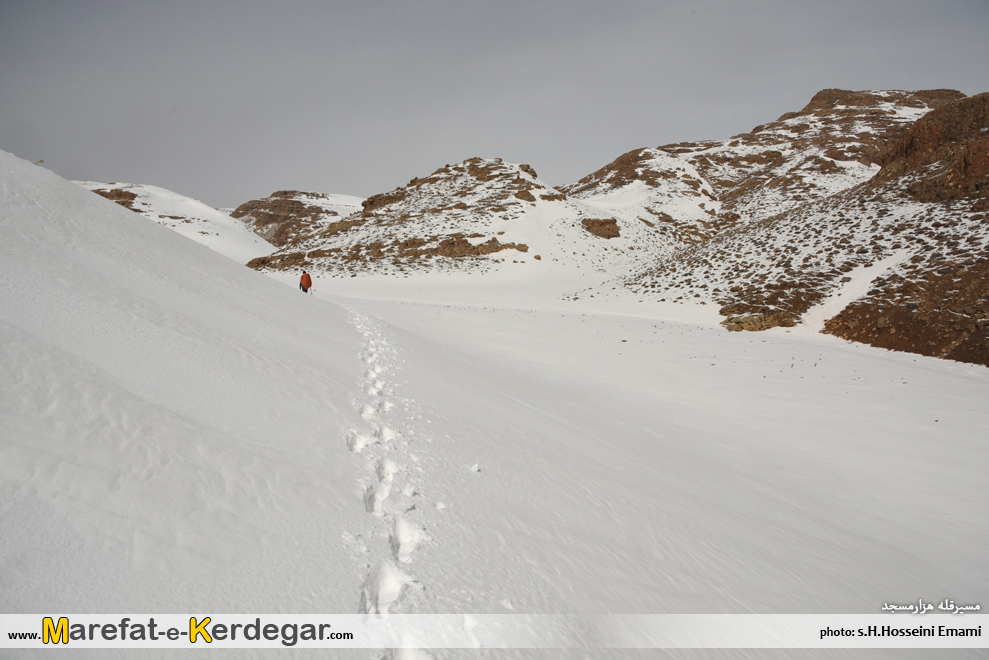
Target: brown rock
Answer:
pixel 760 321
pixel 123 197
pixel 955 139
pixel 602 228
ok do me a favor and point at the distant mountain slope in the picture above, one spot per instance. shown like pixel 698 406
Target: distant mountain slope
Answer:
pixel 286 215
pixel 899 261
pixel 693 190
pixel 657 188
pixel 474 216
pixel 188 217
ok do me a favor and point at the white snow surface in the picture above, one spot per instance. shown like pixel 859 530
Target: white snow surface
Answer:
pixel 172 421
pixel 180 433
pixel 194 219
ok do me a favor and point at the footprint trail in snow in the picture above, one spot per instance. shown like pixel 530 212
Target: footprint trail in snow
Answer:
pixel 390 492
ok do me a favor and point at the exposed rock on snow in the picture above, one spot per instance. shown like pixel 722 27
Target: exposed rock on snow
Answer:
pixel 953 143
pixel 286 215
pixel 477 216
pixel 925 207
pixel 936 302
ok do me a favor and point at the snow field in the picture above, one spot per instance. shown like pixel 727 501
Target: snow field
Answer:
pixel 686 468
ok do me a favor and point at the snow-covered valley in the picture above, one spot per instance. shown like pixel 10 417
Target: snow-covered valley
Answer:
pixel 180 432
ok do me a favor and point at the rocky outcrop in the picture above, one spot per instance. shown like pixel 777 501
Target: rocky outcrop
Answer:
pixel 759 321
pixel 922 215
pixel 952 144
pixel 941 312
pixel 285 215
pixel 656 189
pixel 123 197
pixel 602 228
pixel 828 146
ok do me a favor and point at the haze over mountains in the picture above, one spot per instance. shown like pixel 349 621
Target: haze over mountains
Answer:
pixel 863 215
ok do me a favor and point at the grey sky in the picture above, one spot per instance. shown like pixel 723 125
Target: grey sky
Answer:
pixel 227 101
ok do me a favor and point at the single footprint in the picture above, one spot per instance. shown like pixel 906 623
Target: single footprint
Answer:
pixel 386 469
pixel 405 537
pixel 357 441
pixel 384 587
pixel 375 496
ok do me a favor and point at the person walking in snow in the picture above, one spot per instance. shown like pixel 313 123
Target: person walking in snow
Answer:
pixel 306 282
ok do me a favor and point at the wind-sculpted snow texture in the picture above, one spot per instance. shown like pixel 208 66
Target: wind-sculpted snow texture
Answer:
pixel 189 217
pixel 478 216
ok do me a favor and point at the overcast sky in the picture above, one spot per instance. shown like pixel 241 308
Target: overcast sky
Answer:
pixel 228 101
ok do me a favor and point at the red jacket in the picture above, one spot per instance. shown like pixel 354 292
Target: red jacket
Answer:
pixel 306 281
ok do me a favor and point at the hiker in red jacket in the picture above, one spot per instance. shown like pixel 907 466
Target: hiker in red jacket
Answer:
pixel 305 283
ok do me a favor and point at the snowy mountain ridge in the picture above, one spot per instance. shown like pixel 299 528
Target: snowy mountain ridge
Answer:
pixel 923 217
pixel 477 216
pixel 645 205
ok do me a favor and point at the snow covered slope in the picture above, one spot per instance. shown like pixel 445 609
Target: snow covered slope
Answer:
pixel 189 217
pixel 170 419
pixel 831 145
pixel 693 190
pixel 593 460
pixel 478 216
pixel 908 250
pixel 656 188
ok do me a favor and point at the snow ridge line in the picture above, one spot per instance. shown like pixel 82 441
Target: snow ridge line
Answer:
pixel 390 490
